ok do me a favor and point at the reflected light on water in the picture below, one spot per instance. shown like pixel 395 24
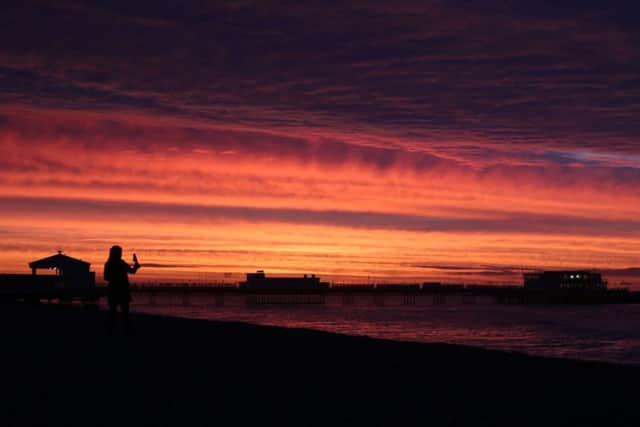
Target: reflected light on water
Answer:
pixel 602 332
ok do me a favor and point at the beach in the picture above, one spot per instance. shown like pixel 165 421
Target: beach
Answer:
pixel 61 367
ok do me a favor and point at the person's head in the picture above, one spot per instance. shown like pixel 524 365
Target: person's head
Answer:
pixel 115 252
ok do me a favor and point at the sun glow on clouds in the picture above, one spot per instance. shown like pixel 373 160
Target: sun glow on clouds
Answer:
pixel 198 208
pixel 429 144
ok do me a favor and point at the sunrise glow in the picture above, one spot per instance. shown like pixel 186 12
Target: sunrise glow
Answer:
pixel 358 162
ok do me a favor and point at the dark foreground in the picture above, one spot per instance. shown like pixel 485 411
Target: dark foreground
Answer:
pixel 59 367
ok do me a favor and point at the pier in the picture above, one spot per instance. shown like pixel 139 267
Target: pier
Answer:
pixel 73 282
pixel 381 297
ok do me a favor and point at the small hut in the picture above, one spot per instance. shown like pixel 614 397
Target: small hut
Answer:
pixel 74 273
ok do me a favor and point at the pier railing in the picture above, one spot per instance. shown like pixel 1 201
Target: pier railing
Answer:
pixel 380 295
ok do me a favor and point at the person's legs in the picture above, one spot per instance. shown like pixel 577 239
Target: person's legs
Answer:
pixel 125 315
pixel 111 321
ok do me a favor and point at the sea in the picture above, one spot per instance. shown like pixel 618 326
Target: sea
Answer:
pixel 606 332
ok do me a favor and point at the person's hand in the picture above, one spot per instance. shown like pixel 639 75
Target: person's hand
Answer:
pixel 135 259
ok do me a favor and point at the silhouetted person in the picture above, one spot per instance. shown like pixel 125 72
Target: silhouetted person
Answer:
pixel 116 272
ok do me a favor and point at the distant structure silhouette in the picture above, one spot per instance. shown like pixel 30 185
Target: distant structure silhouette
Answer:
pixel 116 272
pixel 569 279
pixel 260 282
pixel 71 273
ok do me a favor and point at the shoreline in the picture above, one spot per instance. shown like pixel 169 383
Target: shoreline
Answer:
pixel 461 346
pixel 177 371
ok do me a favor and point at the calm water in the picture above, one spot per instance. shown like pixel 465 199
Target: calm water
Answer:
pixel 599 332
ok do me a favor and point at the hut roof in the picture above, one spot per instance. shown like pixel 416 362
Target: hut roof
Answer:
pixel 58 260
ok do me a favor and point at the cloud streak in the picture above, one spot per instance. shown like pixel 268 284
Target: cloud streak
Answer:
pixel 487 221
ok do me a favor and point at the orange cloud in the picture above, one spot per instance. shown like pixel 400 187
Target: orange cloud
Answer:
pixel 198 199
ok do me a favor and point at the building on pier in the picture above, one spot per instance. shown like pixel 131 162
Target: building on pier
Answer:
pixel 72 273
pixel 569 279
pixel 62 272
pixel 65 279
pixel 259 281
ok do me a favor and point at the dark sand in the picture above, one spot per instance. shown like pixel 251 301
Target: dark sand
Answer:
pixel 59 367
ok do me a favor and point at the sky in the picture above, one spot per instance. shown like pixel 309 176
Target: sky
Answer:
pixel 362 141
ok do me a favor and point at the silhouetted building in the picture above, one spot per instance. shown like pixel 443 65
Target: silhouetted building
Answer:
pixel 258 281
pixel 553 280
pixel 70 272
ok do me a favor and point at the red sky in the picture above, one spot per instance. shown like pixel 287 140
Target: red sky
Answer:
pixel 422 142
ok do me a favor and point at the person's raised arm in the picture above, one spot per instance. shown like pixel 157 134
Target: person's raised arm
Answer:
pixel 136 265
